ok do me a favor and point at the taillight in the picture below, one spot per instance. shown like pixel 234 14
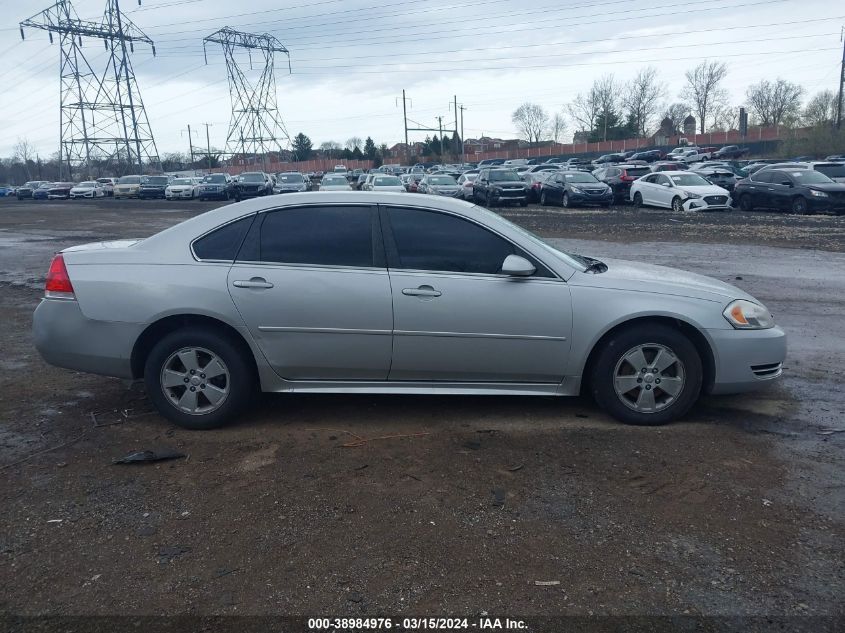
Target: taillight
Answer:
pixel 58 284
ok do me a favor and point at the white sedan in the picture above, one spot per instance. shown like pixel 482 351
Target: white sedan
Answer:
pixel 87 189
pixel 187 188
pixel 679 191
pixel 386 183
pixel 334 182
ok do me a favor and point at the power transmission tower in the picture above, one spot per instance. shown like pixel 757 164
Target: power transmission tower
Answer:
pixel 102 116
pixel 256 127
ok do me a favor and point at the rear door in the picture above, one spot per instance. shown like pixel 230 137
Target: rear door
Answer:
pixel 312 286
pixel 457 318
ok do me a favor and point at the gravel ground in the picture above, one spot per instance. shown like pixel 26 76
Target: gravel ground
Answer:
pixel 305 507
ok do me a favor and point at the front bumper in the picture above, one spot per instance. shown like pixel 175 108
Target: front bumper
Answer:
pixel 701 204
pixel 746 359
pixel 125 193
pixel 177 195
pixel 151 193
pixel 214 193
pixel 66 338
pixel 585 198
pixel 87 194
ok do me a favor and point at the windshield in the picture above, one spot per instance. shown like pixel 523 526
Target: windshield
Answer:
pixel 832 171
pixel 442 180
pixel 503 175
pixel 252 177
pixel 87 183
pixel 182 181
pixel 810 177
pixel 688 180
pixel 129 180
pixel 46 185
pixel 334 180
pixel 156 180
pixel 32 184
pixel 218 178
pixel 104 181
pixel 289 178
pixel 580 177
pixel 387 181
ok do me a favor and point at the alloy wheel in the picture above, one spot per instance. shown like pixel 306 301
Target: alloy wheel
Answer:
pixel 648 378
pixel 195 380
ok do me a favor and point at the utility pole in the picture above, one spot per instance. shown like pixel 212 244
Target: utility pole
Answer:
pixel 405 125
pixel 440 125
pixel 208 141
pixel 190 144
pixel 463 153
pixel 454 149
pixel 841 83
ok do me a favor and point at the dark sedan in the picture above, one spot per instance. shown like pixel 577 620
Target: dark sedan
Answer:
pixel 649 156
pixel 216 187
pixel 153 187
pixel 59 190
pixel 573 188
pixel 41 192
pixel 29 188
pixel 499 186
pixel 721 177
pixel 801 191
pixel 730 151
pixel 252 184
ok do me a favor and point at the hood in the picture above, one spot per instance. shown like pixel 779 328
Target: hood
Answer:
pixel 704 190
pixel 388 188
pixel 830 187
pixel 625 275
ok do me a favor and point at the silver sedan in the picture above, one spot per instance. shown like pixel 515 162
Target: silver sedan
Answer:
pixel 382 293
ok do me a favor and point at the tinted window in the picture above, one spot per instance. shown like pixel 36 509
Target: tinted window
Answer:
pixel 435 241
pixel 762 176
pixel 328 236
pixel 834 170
pixel 638 171
pixel 224 242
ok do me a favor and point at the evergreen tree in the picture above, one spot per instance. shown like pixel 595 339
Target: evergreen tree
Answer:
pixel 302 147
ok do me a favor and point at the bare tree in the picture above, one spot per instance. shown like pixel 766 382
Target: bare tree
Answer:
pixel 641 99
pixel 821 109
pixel 532 121
pixel 23 152
pixel 558 127
pixel 353 143
pixel 584 110
pixel 724 117
pixel 704 89
pixel 607 91
pixel 774 103
pixel 330 148
pixel 676 113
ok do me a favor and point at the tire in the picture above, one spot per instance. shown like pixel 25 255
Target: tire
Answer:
pixel 564 201
pixel 238 380
pixel 638 200
pixel 543 199
pixel 677 205
pixel 612 362
pixel 799 205
pixel 745 202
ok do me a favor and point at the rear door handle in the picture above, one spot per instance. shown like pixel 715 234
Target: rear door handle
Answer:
pixel 422 291
pixel 255 282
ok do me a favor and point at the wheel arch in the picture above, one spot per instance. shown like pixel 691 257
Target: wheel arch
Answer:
pixel 693 333
pixel 171 323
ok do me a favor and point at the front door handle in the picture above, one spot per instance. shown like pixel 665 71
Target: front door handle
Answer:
pixel 422 291
pixel 255 282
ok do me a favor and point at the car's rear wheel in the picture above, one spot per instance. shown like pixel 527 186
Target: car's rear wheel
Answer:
pixel 745 202
pixel 677 205
pixel 649 374
pixel 544 201
pixel 198 378
pixel 799 205
pixel 638 200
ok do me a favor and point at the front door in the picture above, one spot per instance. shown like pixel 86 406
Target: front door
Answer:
pixel 312 286
pixel 456 318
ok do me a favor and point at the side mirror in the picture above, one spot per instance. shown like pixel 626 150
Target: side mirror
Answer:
pixel 666 184
pixel 517 266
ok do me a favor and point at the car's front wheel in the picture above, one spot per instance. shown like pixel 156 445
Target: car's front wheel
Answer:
pixel 677 205
pixel 565 201
pixel 638 200
pixel 648 374
pixel 198 378
pixel 799 205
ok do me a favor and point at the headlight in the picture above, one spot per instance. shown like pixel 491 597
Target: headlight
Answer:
pixel 577 189
pixel 746 315
pixel 692 196
pixel 818 194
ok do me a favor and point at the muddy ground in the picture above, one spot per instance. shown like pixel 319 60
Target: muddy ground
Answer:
pixel 305 508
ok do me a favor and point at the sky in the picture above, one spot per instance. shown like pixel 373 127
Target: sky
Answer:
pixel 351 59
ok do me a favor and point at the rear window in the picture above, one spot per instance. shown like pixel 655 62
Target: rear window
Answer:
pixel 129 180
pixel 638 171
pixel 290 178
pixel 156 180
pixel 223 243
